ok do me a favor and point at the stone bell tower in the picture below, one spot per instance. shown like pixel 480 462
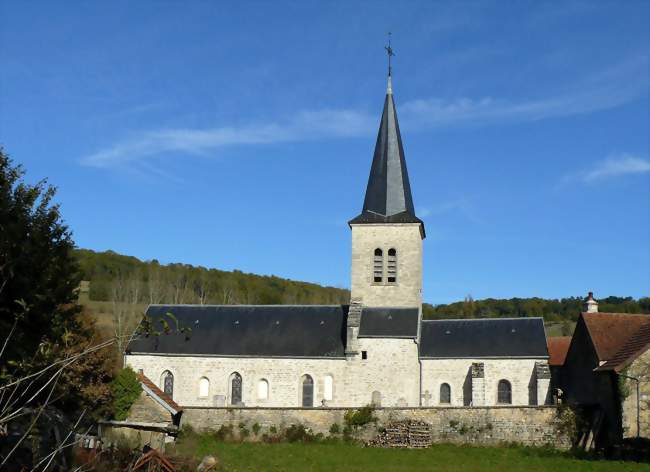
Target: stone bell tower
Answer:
pixel 387 236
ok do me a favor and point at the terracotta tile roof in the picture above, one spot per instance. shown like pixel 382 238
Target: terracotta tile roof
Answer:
pixel 610 331
pixel 558 346
pixel 633 348
pixel 159 393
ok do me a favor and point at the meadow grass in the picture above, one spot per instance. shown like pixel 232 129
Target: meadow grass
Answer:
pixel 328 456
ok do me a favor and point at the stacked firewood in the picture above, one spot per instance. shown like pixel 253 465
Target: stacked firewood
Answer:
pixel 407 433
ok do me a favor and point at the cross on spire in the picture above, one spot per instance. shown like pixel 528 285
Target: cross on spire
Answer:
pixel 389 51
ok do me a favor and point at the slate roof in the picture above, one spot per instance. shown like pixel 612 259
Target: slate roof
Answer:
pixel 629 351
pixel 558 347
pixel 389 322
pixel 490 337
pixel 610 331
pixel 248 330
pixel 388 194
pixel 162 396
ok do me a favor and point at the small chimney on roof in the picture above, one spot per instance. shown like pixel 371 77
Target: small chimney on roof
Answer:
pixel 591 305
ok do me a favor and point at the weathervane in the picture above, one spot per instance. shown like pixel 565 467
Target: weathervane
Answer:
pixel 389 51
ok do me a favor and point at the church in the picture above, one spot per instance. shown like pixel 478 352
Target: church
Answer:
pixel 375 351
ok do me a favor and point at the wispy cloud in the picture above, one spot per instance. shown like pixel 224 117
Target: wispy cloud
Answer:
pixel 462 205
pixel 304 126
pixel 617 165
pixel 608 89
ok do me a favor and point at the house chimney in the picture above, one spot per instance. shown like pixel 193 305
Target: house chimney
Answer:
pixel 591 305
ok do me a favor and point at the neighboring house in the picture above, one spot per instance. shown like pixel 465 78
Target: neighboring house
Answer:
pixel 601 343
pixel 558 347
pixel 632 364
pixel 153 418
pixel 376 350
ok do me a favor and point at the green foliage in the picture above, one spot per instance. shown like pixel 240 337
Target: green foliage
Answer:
pixel 360 417
pixel 181 283
pixel 126 390
pixel 38 272
pixel 298 433
pixel 565 310
pixel 335 428
pixel 256 428
pixel 341 456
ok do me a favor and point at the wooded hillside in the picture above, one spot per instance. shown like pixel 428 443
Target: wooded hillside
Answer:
pixel 126 279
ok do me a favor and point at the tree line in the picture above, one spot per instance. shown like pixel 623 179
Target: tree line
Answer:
pixel 111 274
pixel 552 310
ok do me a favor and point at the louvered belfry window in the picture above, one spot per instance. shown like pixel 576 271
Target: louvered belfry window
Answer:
pixel 378 266
pixel 392 265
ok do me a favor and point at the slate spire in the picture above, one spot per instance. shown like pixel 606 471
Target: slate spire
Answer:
pixel 388 195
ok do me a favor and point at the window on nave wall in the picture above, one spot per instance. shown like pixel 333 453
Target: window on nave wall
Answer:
pixel 263 389
pixel 445 393
pixel 235 388
pixel 307 391
pixel 504 392
pixel 204 387
pixel 328 387
pixel 167 382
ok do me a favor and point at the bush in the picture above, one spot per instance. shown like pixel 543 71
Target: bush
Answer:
pixel 126 390
pixel 256 428
pixel 224 433
pixel 360 417
pixel 298 433
pixel 335 428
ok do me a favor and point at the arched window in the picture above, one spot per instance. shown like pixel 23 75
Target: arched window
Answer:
pixel 307 391
pixel 204 387
pixel 263 389
pixel 328 387
pixel 235 389
pixel 392 265
pixel 445 393
pixel 378 266
pixel 504 392
pixel 167 381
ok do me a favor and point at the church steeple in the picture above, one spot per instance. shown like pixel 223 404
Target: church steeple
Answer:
pixel 388 194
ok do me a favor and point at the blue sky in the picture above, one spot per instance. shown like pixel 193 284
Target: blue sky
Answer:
pixel 239 135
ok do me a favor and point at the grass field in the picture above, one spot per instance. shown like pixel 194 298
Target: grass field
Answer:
pixel 347 457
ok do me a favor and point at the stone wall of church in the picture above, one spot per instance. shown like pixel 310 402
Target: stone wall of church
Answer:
pixel 391 368
pixel 406 239
pixel 474 425
pixel 457 373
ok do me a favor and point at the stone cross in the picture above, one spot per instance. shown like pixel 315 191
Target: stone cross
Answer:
pixel 427 396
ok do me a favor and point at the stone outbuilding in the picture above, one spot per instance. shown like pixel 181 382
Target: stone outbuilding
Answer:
pixel 153 419
pixel 593 375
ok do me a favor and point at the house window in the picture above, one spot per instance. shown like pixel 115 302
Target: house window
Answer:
pixel 307 391
pixel 445 393
pixel 235 389
pixel 263 389
pixel 204 387
pixel 504 392
pixel 392 266
pixel 378 266
pixel 328 387
pixel 364 354
pixel 167 380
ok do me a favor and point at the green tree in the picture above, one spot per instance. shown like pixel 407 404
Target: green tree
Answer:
pixel 37 268
pixel 126 390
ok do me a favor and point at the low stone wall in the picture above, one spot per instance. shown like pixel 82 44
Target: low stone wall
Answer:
pixel 538 425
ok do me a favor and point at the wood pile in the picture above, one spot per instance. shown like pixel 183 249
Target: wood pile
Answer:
pixel 408 433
